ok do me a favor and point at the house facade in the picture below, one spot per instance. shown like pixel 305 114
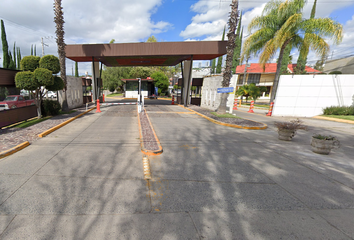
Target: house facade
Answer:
pixel 263 77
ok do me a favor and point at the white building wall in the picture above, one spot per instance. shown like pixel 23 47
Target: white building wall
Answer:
pixel 74 92
pixel 134 94
pixel 307 95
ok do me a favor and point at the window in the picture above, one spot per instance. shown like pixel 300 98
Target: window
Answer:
pixel 240 79
pixel 253 78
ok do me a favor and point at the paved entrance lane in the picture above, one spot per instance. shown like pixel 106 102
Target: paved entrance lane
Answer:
pixel 237 184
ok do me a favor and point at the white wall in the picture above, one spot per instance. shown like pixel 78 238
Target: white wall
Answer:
pixel 74 92
pixel 134 94
pixel 307 95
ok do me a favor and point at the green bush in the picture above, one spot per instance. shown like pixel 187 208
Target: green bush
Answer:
pixel 335 110
pixel 44 76
pixel 57 85
pixel 335 72
pixel 26 80
pixel 51 63
pixel 30 63
pixel 50 108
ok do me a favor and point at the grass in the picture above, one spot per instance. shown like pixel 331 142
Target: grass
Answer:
pixel 114 95
pixel 344 117
pixel 31 122
pixel 226 115
pixel 257 105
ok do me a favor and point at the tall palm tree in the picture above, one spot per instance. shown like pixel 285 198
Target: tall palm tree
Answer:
pixel 59 22
pixel 280 24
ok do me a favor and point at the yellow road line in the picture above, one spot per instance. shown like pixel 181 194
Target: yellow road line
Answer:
pixel 45 133
pixel 174 112
pixel 228 124
pixel 14 149
pixel 334 119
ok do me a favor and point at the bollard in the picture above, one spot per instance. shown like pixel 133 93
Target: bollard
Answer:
pixel 98 106
pixel 270 109
pixel 251 107
pixel 235 104
pixel 173 100
pixel 103 98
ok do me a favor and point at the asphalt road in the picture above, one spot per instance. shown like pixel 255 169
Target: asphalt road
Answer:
pixel 85 181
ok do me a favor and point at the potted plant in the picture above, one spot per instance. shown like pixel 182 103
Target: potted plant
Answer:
pixel 287 130
pixel 323 144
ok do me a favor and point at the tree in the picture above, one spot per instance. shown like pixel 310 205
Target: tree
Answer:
pixel 59 23
pixel 302 59
pixel 152 39
pixel 112 41
pixel 243 91
pixel 141 72
pixel 76 69
pixel 231 35
pixel 5 48
pixel 31 49
pixel 286 60
pixel 280 24
pixel 238 45
pixel 37 75
pixel 213 66
pixel 15 57
pixel 218 66
pixel 112 77
pixel 320 63
pixel 161 81
pixel 18 58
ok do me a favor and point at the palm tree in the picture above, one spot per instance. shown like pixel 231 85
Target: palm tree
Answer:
pixel 231 35
pixel 280 24
pixel 59 22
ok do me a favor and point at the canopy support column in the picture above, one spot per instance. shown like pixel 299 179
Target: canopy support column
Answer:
pixel 187 78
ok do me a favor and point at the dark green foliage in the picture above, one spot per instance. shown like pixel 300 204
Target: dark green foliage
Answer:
pixel 140 72
pixel 26 80
pixel 335 110
pixel 19 58
pixel 15 57
pixel 30 63
pixel 237 51
pixel 5 48
pixel 213 66
pixel 251 90
pixel 32 50
pixel 76 69
pixel 300 66
pixel 51 63
pixel 335 72
pixel 57 85
pixel 50 108
pixel 218 66
pixel 35 50
pixel 161 81
pixel 44 76
pixel 285 60
pixel 12 63
pixel 111 77
pixel 3 93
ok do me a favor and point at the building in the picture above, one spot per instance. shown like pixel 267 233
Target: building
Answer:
pixel 263 77
pixel 7 83
pixel 344 65
pixel 131 87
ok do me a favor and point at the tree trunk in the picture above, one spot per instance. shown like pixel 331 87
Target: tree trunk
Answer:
pixel 59 22
pixel 277 73
pixel 230 53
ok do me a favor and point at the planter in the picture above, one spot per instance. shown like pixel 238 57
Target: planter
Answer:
pixel 286 134
pixel 323 146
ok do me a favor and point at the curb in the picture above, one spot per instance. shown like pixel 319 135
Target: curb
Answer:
pixel 229 124
pixel 333 119
pixel 143 149
pixel 45 133
pixel 14 149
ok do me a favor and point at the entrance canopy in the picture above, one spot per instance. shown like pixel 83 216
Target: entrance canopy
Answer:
pixel 145 54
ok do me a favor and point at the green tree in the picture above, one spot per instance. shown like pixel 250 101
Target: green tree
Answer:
pixel 141 72
pixel 161 81
pixel 112 77
pixel 112 41
pixel 152 39
pixel 12 63
pixel 286 60
pixel 31 49
pixel 218 66
pixel 19 57
pixel 243 91
pixel 238 45
pixel 5 47
pixel 302 59
pixel 37 75
pixel 231 35
pixel 280 24
pixel 35 50
pixel 59 24
pixel 320 63
pixel 76 69
pixel 213 66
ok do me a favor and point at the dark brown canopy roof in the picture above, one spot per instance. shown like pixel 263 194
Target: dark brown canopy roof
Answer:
pixel 146 54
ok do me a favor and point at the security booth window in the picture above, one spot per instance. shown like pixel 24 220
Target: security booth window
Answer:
pixel 134 86
pixel 253 78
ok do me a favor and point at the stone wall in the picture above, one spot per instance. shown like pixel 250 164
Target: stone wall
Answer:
pixel 210 97
pixel 74 92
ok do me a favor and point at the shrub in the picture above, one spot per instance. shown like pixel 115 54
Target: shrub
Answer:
pixel 30 63
pixel 51 63
pixel 336 110
pixel 50 108
pixel 335 72
pixel 57 85
pixel 44 76
pixel 26 80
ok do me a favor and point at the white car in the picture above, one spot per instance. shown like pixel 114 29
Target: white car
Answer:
pixel 51 94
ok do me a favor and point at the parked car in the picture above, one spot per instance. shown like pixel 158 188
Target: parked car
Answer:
pixel 15 101
pixel 52 94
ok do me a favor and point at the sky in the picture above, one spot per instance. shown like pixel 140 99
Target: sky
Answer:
pixel 91 21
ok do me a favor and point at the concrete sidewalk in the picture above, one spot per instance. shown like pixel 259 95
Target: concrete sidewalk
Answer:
pixel 85 181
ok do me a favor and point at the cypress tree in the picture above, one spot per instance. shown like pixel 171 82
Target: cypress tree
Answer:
pixel 213 66
pixel 5 48
pixel 304 51
pixel 76 69
pixel 218 66
pixel 286 59
pixel 14 58
pixel 35 50
pixel 32 50
pixel 19 58
pixel 238 45
pixel 12 63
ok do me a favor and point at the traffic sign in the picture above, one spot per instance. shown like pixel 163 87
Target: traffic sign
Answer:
pixel 225 90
